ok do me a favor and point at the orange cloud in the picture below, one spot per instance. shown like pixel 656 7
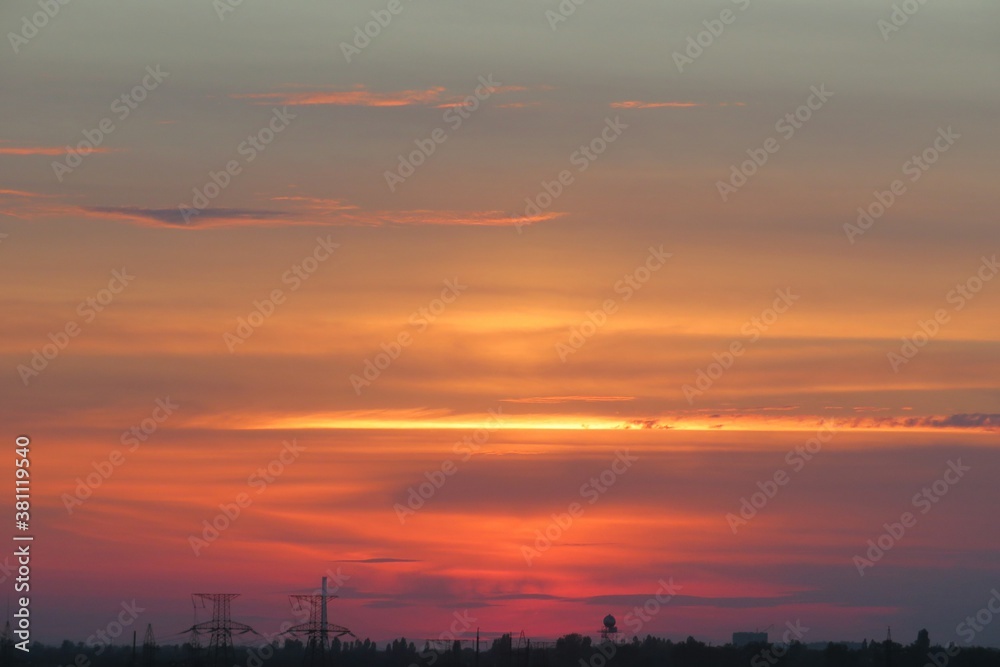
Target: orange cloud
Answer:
pixel 747 420
pixel 638 104
pixel 21 193
pixel 298 211
pixel 497 90
pixel 414 217
pixel 340 213
pixel 359 97
pixel 210 217
pixel 568 399
pixel 42 150
pixel 569 420
pixel 475 218
pixel 31 150
pixel 26 205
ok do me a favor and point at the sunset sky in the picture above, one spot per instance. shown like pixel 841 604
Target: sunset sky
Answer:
pixel 502 254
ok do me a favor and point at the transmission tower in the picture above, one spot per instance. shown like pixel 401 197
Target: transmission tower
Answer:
pixel 317 630
pixel 148 647
pixel 220 629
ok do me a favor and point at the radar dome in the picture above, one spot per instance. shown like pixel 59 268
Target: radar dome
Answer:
pixel 609 621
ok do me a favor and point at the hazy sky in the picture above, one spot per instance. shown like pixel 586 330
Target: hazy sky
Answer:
pixel 696 231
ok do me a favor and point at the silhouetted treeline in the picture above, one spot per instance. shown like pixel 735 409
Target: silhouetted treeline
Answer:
pixel 569 651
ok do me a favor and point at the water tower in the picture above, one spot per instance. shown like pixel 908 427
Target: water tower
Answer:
pixel 609 632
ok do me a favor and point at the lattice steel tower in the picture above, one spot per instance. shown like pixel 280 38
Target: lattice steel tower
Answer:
pixel 220 629
pixel 317 630
pixel 148 647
